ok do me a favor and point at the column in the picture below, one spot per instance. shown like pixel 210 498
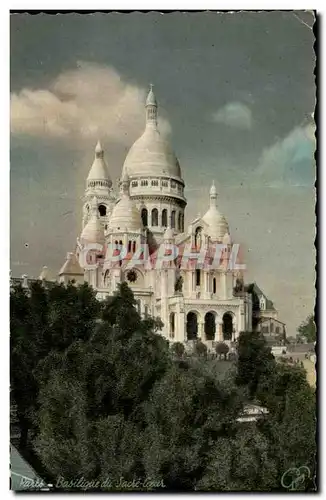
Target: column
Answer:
pixel 201 330
pixel 219 332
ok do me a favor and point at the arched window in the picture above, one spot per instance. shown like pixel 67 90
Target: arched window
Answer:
pixel 133 247
pixel 129 246
pixel 210 327
pixel 164 218
pixel 192 326
pixel 227 326
pixel 214 285
pixel 197 277
pixel 144 217
pixel 180 221
pixel 173 219
pixel 154 217
pixel 102 210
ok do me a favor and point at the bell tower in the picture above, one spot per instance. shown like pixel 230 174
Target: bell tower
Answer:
pixel 98 186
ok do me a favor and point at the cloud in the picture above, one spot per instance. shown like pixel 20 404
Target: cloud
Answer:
pixel 234 114
pixel 290 161
pixel 85 103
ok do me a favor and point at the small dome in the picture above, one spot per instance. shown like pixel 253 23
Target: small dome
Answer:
pixel 44 273
pixel 217 224
pixel 125 215
pixel 71 266
pixel 93 232
pixel 227 239
pixel 168 235
pixel 99 169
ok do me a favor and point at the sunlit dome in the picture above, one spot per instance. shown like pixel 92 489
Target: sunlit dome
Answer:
pixel 93 231
pixel 125 215
pixel 99 169
pixel 216 222
pixel 151 154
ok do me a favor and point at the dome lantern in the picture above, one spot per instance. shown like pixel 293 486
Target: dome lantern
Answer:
pixel 151 109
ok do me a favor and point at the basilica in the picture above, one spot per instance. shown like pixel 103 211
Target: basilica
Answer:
pixel 193 301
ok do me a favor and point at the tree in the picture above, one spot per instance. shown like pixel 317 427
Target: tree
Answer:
pixel 188 412
pixel 290 340
pixel 178 349
pixel 200 348
pixel 110 401
pixel 307 330
pixel 222 349
pixel 292 433
pixel 254 361
pixel 114 372
pixel 255 306
pixel 281 388
pixel 42 321
pixel 242 463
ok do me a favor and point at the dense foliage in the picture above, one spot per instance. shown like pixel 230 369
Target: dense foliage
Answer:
pixel 307 330
pixel 101 396
pixel 222 349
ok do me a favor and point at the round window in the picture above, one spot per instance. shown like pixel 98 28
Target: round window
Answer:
pixel 132 276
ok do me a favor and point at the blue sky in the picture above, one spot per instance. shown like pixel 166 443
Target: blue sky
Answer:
pixel 236 95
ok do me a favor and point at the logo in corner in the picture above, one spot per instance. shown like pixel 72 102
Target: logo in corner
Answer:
pixel 295 477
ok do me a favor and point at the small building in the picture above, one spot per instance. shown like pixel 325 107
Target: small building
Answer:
pixel 269 324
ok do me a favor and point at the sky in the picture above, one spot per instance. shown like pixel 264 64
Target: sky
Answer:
pixel 236 94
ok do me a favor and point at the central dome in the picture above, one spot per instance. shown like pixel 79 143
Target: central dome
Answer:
pixel 151 154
